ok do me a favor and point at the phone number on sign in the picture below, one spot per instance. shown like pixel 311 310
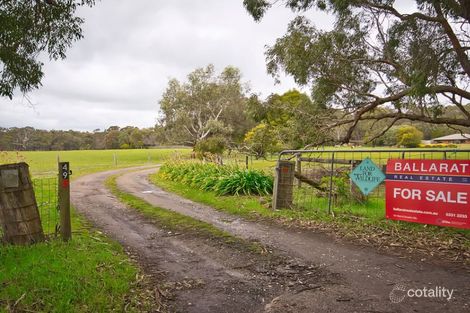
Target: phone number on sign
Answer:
pixel 456 215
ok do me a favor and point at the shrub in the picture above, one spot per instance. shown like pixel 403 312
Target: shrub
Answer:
pixel 409 136
pixel 245 182
pixel 262 139
pixel 224 180
pixel 213 145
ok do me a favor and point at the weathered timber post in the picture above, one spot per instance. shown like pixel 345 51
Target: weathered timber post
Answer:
pixel 283 185
pixel 19 214
pixel 64 201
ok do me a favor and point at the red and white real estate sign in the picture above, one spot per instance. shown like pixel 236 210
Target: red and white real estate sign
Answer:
pixel 428 191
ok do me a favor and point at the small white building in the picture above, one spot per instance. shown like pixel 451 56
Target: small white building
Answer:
pixel 455 138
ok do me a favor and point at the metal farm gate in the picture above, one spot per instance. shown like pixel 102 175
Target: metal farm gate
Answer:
pixel 319 180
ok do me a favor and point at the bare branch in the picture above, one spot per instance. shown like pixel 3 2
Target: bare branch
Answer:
pixel 457 104
pixel 393 11
pixel 450 89
pixel 369 107
pixel 396 119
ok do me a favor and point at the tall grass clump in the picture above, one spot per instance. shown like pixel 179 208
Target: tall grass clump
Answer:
pixel 224 180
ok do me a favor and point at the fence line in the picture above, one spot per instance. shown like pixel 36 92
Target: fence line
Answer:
pixel 322 183
pixel 46 198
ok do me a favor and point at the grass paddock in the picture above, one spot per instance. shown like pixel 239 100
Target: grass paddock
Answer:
pixel 91 273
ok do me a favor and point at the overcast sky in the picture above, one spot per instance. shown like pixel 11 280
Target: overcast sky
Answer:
pixel 117 73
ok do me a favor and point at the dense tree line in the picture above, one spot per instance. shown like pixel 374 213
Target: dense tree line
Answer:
pixel 29 138
pixel 214 112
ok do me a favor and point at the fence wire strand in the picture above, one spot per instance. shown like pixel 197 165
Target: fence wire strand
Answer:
pixel 325 183
pixel 45 190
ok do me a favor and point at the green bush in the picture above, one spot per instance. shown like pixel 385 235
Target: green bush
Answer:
pixel 409 136
pixel 213 145
pixel 224 180
pixel 262 139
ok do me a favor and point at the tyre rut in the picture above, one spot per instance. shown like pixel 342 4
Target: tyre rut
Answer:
pixel 369 276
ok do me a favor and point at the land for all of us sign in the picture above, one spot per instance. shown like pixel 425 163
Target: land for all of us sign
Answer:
pixel 429 191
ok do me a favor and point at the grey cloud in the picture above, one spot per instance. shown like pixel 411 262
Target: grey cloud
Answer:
pixel 117 73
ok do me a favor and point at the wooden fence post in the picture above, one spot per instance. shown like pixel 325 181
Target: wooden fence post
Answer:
pixel 64 201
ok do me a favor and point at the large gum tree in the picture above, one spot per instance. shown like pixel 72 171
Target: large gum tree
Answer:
pixel 382 61
pixel 207 104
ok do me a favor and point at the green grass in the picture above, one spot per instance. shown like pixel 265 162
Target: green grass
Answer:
pixel 88 274
pixel 176 222
pixel 44 163
pixel 246 206
pixel 347 153
pixel 364 222
pixel 372 208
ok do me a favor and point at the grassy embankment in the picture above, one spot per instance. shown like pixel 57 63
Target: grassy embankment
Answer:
pixel 89 274
pixel 363 221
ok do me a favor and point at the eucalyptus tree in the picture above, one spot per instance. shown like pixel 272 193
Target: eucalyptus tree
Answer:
pixel 29 28
pixel 206 104
pixel 412 62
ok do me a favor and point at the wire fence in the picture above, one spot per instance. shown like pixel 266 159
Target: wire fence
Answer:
pixel 45 190
pixel 321 181
pixel 246 160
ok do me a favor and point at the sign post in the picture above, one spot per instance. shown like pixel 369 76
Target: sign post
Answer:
pixel 64 200
pixel 429 191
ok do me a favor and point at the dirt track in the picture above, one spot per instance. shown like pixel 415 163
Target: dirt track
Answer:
pixel 308 271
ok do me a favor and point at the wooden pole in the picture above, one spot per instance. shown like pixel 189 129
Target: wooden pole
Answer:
pixel 64 201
